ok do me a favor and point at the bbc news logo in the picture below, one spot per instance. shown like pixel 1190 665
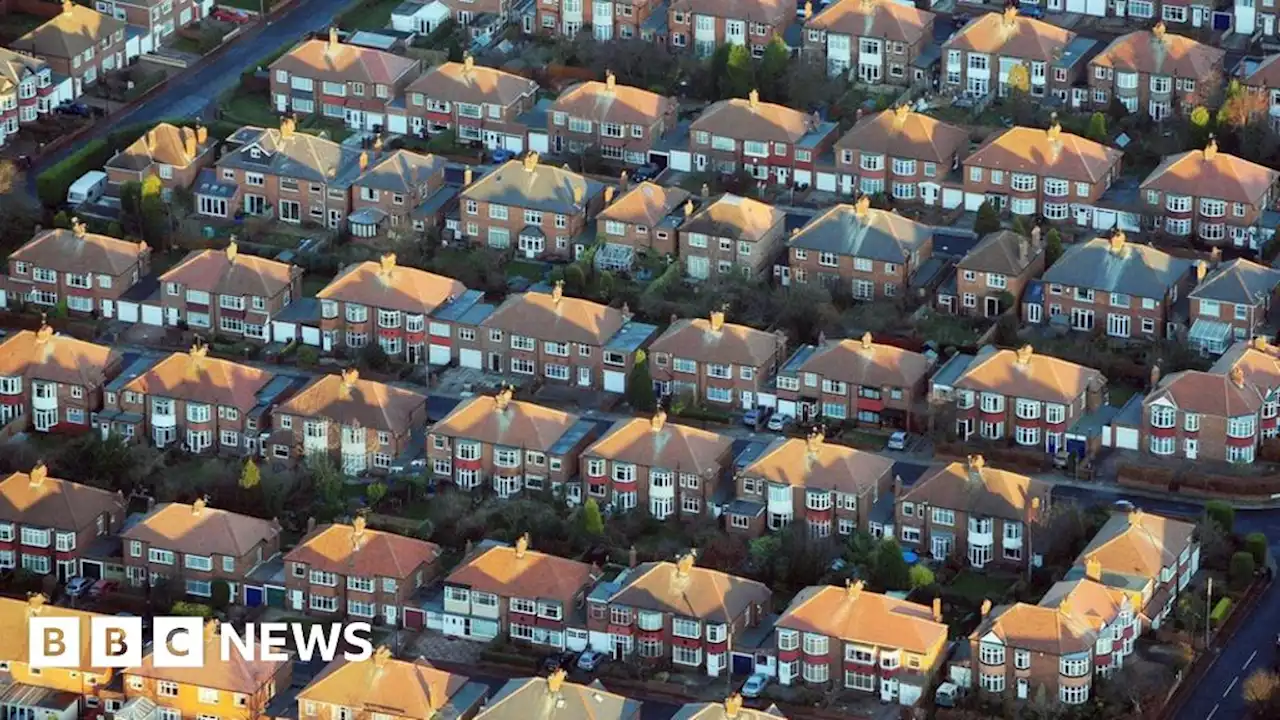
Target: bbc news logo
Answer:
pixel 182 642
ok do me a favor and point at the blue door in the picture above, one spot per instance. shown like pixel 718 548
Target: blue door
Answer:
pixel 743 664
pixel 253 596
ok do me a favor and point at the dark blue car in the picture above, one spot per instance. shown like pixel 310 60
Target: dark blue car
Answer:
pixel 501 155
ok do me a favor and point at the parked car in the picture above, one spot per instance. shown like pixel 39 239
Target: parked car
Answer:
pixel 1031 11
pixel 590 660
pixel 69 107
pixel 231 15
pixel 897 441
pixel 646 172
pixel 78 586
pixel 501 155
pixel 778 421
pixel 559 661
pixel 755 416
pixel 754 685
pixel 102 588
pixel 948 694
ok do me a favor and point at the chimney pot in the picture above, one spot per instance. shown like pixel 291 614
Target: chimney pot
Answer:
pixel 937 609
pixel 986 608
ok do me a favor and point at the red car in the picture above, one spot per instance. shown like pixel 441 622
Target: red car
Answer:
pixel 231 15
pixel 102 588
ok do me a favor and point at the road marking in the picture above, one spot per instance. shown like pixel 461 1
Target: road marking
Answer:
pixel 1251 657
pixel 1232 685
pixel 1211 712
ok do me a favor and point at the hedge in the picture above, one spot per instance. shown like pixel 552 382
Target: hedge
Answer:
pixel 1220 610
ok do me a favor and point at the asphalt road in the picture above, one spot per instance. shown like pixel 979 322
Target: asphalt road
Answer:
pixel 1218 695
pixel 190 94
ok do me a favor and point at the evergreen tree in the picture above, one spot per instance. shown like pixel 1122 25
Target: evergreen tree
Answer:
pixel 988 219
pixel 640 385
pixel 592 520
pixel 250 475
pixel 1052 246
pixel 773 71
pixel 1098 127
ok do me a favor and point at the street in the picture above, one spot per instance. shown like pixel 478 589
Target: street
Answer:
pixel 1218 695
pixel 188 95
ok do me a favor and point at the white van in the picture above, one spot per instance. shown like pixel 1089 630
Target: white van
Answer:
pixel 87 189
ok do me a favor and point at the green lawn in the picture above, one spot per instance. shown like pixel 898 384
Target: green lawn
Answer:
pixel 247 108
pixel 522 268
pixel 370 15
pixel 976 587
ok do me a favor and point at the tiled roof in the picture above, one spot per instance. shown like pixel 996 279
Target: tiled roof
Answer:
pixel 1012 35
pixel 1027 374
pixel 867 363
pixel 362 551
pixel 683 589
pixel 42 355
pixel 853 614
pixel 201 530
pixel 862 231
pixel 400 688
pixel 814 463
pixel 1211 174
pixel 230 672
pixel 81 252
pixel 532 185
pixel 195 377
pixel 1115 265
pixel 645 204
pixel 1047 153
pixel 470 83
pixel 553 698
pixel 502 421
pixel 608 102
pixel 165 144
pixel 901 133
pixel 230 272
pixel 69 33
pixel 36 499
pixel 873 18
pixel 660 444
pixel 335 61
pixel 1158 52
pixel 347 399
pixel 388 286
pixel 1240 281
pixel 520 572
pixel 15 621
pixel 1137 544
pixel 1004 252
pixel 557 317
pixel 974 488
pixel 715 341
pixel 751 119
pixel 736 218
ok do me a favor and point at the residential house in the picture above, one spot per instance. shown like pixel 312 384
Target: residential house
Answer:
pixel 731 234
pixel 676 611
pixel 413 688
pixel 643 219
pixel 355 571
pixel 356 85
pixel 1190 194
pixel 510 445
pixel 564 340
pixel 47 523
pixel 227 683
pixel 87 271
pixel 873 40
pixel 1231 302
pixel 670 469
pixel 730 709
pixel 1150 557
pixel 231 293
pixel 281 174
pixel 1213 415
pixel 705 25
pixel 1003 262
pixel 52 383
pixel 390 303
pixel 621 121
pixel 980 57
pixel 478 103
pixel 860 640
pixel 1081 629
pixel 873 252
pixel 1262 82
pixel 518 593
pixel 545 209
pixel 393 198
pixel 64 693
pixel 202 403
pixel 160 19
pixel 1156 73
pixel 604 22
pixel 190 546
pixel 465 12
pixel 725 364
pixel 1051 173
pixel 1022 395
pixel 872 383
pixel 898 152
pixel 972 511
pixel 175 155
pixel 27 91
pixel 772 143
pixel 570 700
pixel 78 42
pixel 360 424
pixel 830 488
pixel 1134 285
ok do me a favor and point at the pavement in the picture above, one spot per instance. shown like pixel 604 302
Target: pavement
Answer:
pixel 189 94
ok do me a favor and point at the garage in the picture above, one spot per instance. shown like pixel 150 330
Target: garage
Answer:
pixel 538 141
pixel 275 596
pixel 283 332
pixel 127 311
pixel 253 596
pixel 439 354
pixel 311 336
pixel 514 143
pixel 1096 8
pixel 471 359
pixel 681 160
pixel 615 381
pixel 153 315
pixel 952 198
pixel 414 618
pixel 397 125
pixel 826 182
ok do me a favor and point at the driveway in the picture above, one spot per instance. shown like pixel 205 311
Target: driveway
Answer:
pixel 188 95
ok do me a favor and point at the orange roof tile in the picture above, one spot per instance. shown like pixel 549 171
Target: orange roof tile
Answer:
pixel 1012 35
pixel 1047 153
pixel 556 317
pixel 348 400
pixel 873 18
pixel 194 377
pixel 660 444
pixel 1027 374
pixel 1211 174
pixel 229 272
pixel 517 571
pixel 202 530
pixel 716 341
pixel 80 252
pixel 362 551
pixel 385 285
pixel 751 119
pixel 608 102
pixel 860 616
pixel 867 363
pixel 901 133
pixel 397 688
pixel 42 355
pixel 814 463
pixel 975 488
pixel 683 589
pixel 645 204
pixel 34 498
pixel 501 421
pixel 337 61
pixel 1157 52
pixel 230 673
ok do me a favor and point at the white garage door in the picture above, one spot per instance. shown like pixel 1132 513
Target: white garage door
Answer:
pixel 951 198
pixel 1126 438
pixel 283 332
pixel 514 143
pixel 397 124
pixel 127 311
pixel 311 336
pixel 538 142
pixel 471 359
pixel 827 182
pixel 615 381
pixel 152 315
pixel 440 354
pixel 681 160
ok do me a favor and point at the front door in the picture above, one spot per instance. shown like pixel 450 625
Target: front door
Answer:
pixel 783 175
pixel 1033 312
pixel 700 162
pixel 389 611
pixel 495 362
pixel 1268 24
pixel 584 377
pixel 414 354
pixel 295 599
pixel 335 219
pixel 992 306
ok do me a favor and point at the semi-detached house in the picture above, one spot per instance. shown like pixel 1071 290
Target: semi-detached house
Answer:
pixel 477 103
pixel 704 25
pixel 87 271
pixel 981 56
pixel 901 153
pixel 722 363
pixel 872 252
pixel 621 121
pixel 873 40
pixel 47 524
pixel 231 293
pixel 52 383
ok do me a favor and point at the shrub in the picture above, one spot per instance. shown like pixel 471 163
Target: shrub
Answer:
pixel 1220 611
pixel 1256 544
pixel 191 609
pixel 921 576
pixel 1221 513
pixel 308 356
pixel 1240 573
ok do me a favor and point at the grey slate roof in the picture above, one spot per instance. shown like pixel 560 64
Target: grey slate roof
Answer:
pixel 1133 269
pixel 1240 281
pixel 296 155
pixel 543 187
pixel 879 235
pixel 401 171
pixel 525 698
